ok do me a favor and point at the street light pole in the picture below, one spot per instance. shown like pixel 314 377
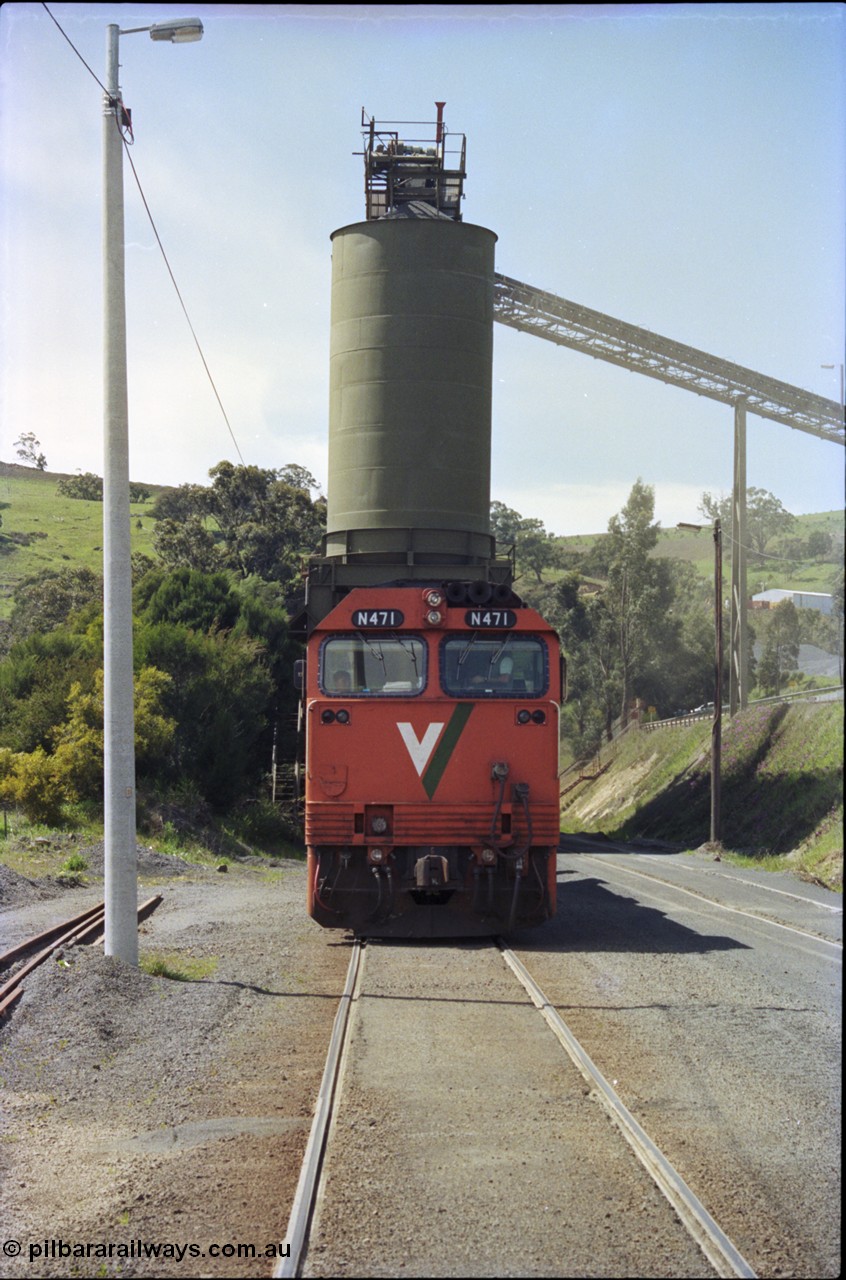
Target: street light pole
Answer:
pixel 121 893
pixel 121 890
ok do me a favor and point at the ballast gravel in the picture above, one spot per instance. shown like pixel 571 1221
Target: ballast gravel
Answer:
pixel 145 1115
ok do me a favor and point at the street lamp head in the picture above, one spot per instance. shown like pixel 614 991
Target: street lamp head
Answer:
pixel 178 30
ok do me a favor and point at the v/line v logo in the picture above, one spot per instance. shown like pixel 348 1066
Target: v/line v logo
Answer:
pixel 431 754
pixel 420 751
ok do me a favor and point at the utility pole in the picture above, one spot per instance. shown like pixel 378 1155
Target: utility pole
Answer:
pixel 717 725
pixel 739 657
pixel 717 722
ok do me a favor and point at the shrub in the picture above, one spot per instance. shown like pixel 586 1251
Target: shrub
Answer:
pixel 86 486
pixel 34 785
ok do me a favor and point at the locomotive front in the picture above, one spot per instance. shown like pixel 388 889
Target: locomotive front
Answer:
pixel 432 764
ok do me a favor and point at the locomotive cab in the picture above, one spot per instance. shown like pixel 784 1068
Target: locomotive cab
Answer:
pixel 431 797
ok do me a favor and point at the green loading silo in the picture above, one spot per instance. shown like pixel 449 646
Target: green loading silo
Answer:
pixel 410 379
pixel 410 393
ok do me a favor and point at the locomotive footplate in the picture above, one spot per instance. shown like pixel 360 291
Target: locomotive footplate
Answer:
pixel 429 891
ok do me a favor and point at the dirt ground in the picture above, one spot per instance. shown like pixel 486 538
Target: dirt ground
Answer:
pixel 143 1111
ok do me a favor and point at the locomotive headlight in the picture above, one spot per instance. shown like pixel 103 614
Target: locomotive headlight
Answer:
pixel 539 717
pixel 434 599
pixel 488 857
pixel 523 717
pixel 376 855
pixel 327 716
pixel 433 617
pixel 379 826
pixel 343 717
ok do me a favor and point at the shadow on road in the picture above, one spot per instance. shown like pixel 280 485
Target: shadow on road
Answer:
pixel 592 917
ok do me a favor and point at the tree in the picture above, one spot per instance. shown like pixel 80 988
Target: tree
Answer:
pixel 535 549
pixel 225 646
pixel 87 486
pixel 187 544
pixel 31 781
pixel 187 502
pixel 268 526
pixel 781 652
pixel 505 524
pixel 35 680
pixel 220 697
pixel 646 634
pixel 297 477
pixel 199 601
pixel 78 757
pixel 43 603
pixel 632 595
pixel 819 544
pixel 266 523
pixel 594 562
pixel 588 643
pixel 766 518
pixel 27 448
pixel 837 592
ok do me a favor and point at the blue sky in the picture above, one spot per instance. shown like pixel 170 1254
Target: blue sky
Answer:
pixel 679 167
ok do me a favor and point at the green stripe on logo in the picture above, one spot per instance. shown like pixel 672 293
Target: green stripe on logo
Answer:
pixel 445 747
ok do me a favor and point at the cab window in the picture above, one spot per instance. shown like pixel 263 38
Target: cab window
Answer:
pixel 485 666
pixel 374 666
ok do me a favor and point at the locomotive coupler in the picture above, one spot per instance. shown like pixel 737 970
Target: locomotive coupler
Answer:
pixel 431 871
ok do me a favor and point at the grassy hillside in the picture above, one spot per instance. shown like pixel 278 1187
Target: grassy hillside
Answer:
pixel 800 575
pixel 782 800
pixel 42 530
pixel 698 550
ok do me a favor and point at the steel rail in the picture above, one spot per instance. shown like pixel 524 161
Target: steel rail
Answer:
pixel 302 1209
pixel 76 929
pixel 46 935
pixel 10 990
pixel 714 1243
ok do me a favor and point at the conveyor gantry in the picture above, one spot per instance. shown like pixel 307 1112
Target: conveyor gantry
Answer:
pixel 521 306
pixel 571 325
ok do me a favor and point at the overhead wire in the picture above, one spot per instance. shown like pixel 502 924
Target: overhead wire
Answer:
pixel 181 300
pixel 76 51
pixel 765 555
pixel 123 122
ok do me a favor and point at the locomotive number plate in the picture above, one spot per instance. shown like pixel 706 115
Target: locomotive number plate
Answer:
pixel 498 619
pixel 369 618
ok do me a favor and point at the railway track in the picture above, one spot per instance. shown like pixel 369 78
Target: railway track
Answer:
pixel 323 1241
pixel 86 927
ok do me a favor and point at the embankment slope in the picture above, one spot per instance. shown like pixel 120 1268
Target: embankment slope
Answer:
pixel 781 788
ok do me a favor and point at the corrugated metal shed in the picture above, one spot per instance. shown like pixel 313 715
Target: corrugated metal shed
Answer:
pixel 802 599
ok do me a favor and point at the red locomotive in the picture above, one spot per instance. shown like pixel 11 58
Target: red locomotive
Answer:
pixel 431 801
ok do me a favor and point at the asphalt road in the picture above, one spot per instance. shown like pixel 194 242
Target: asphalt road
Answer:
pixel 710 997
